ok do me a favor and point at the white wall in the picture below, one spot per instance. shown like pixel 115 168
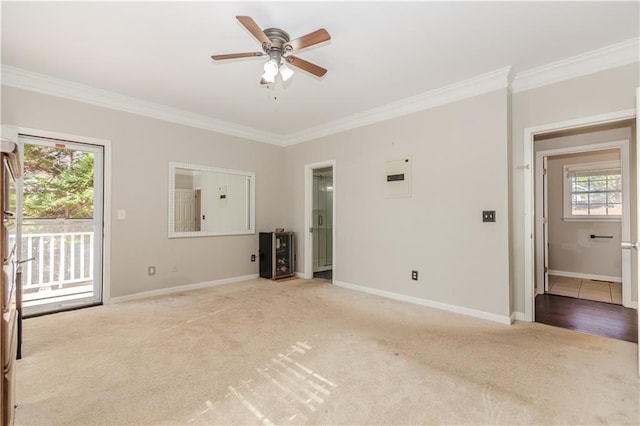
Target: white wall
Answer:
pixel 571 248
pixel 599 93
pixel 460 168
pixel 142 149
pixel 462 160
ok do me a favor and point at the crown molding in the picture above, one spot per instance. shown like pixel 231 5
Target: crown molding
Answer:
pixel 484 83
pixel 612 56
pixel 27 80
pixel 597 60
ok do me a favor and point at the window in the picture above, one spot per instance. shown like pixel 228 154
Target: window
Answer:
pixel 593 191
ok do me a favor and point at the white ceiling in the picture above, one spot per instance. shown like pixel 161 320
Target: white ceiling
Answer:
pixel 380 52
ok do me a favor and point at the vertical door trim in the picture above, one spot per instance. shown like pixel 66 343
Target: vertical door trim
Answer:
pixel 637 194
pixel 545 223
pixel 308 216
pixel 13 132
pixel 528 237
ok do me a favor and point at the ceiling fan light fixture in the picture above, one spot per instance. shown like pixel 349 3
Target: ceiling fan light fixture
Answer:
pixel 285 72
pixel 271 69
pixel 265 82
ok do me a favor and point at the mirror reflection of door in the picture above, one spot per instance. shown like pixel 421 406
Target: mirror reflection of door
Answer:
pixel 198 211
pixel 185 210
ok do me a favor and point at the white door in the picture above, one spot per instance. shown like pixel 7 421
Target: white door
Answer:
pixel 60 212
pixel 635 244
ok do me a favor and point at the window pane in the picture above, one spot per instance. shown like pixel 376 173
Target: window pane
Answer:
pixel 598 198
pixel 597 183
pixel 614 185
pixel 614 198
pixel 598 210
pixel 581 184
pixel 614 209
pixel 581 198
pixel 580 210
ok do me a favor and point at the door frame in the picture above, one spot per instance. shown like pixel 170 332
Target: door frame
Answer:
pixel 13 132
pixel 529 217
pixel 541 237
pixel 308 216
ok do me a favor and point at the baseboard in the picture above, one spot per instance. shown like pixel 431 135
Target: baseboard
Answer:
pixel 181 288
pixel 428 303
pixel 323 268
pixel 300 275
pixel 518 316
pixel 585 276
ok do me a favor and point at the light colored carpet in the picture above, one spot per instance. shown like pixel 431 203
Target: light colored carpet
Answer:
pixel 307 352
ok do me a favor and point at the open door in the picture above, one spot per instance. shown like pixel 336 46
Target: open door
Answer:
pixel 635 244
pixel 60 213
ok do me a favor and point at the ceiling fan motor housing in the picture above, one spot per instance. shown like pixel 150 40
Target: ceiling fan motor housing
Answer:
pixel 278 38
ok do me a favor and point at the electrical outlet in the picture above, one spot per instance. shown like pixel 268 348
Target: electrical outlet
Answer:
pixel 253 257
pixel 488 215
pixel 151 270
pixel 414 275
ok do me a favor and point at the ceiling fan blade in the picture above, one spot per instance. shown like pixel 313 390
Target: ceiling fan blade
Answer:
pixel 254 29
pixel 310 39
pixel 236 55
pixel 306 66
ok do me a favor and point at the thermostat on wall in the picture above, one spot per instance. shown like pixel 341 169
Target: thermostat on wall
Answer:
pixel 398 178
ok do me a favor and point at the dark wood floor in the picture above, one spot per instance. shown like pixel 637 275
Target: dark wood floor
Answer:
pixel 586 316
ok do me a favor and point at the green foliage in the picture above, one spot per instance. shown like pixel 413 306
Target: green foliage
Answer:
pixel 58 183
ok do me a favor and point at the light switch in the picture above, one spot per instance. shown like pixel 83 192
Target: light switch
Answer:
pixel 122 214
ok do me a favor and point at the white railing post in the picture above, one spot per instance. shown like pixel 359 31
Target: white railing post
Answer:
pixel 63 257
pixel 41 260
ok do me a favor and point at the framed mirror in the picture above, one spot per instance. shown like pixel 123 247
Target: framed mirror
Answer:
pixel 210 201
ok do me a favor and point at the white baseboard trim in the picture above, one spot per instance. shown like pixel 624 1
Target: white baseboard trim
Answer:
pixel 300 275
pixel 428 303
pixel 585 276
pixel 181 288
pixel 518 316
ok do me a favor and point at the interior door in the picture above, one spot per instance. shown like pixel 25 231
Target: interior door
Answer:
pixel 60 213
pixel 636 244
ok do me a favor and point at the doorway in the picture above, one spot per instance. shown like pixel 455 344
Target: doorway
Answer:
pixel 583 195
pixel 320 221
pixel 322 218
pixel 584 200
pixel 61 207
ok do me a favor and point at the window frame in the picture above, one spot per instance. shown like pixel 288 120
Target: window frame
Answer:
pixel 567 214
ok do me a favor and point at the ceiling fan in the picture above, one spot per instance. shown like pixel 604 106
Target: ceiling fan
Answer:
pixel 277 45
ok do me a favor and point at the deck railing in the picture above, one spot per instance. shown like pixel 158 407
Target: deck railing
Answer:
pixel 59 259
pixel 62 253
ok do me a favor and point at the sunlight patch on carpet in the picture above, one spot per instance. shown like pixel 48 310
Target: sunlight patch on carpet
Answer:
pixel 283 391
